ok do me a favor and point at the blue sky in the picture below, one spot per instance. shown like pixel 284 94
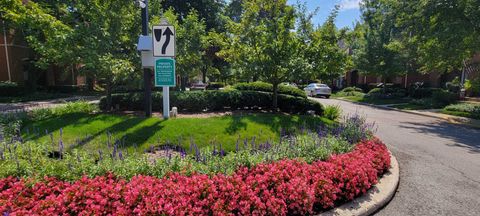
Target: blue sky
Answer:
pixel 349 11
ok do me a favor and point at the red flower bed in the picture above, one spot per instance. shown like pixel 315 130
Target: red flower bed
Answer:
pixel 280 188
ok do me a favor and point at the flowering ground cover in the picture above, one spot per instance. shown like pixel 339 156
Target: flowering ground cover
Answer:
pixel 284 187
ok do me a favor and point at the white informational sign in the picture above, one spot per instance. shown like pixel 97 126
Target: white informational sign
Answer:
pixel 163 41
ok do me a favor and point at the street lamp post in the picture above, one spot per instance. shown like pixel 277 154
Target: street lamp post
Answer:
pixel 147 76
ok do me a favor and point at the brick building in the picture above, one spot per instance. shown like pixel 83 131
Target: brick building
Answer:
pixel 16 63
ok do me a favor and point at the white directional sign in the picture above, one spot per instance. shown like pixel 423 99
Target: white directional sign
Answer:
pixel 163 41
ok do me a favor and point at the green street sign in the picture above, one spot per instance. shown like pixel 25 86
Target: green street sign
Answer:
pixel 164 72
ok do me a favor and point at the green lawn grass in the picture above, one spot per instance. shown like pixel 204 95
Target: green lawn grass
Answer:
pixel 375 101
pixel 144 132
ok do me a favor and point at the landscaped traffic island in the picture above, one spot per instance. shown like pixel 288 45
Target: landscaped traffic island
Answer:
pixel 260 163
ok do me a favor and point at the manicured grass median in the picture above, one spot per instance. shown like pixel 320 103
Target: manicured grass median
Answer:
pixel 90 132
pixel 375 101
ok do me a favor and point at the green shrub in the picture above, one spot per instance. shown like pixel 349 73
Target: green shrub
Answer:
pixel 197 101
pixel 473 87
pixel 215 86
pixel 267 87
pixel 470 108
pixel 332 112
pixel 444 97
pixel 387 93
pixel 352 89
pixel 8 89
pixel 419 93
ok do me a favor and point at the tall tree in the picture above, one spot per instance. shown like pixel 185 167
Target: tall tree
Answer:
pixel 191 35
pixel 441 34
pixel 263 42
pixel 374 56
pixel 208 10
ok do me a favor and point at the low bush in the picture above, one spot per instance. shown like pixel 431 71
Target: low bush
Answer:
pixel 387 93
pixel 9 89
pixel 444 97
pixel 352 89
pixel 215 86
pixel 286 187
pixel 198 101
pixel 419 93
pixel 469 110
pixel 267 87
pixel 332 112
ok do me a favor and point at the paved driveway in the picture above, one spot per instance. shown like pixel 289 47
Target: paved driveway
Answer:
pixel 439 162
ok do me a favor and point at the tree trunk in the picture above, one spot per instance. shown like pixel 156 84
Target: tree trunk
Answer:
pixel 275 97
pixel 108 88
pixel 204 75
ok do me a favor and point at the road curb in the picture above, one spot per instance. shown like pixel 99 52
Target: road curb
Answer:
pixel 376 198
pixel 450 119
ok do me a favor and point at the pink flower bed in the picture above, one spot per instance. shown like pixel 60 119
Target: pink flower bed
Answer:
pixel 284 187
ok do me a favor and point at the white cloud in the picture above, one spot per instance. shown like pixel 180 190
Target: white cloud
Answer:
pixel 349 4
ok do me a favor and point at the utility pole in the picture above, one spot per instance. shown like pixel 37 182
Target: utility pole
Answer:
pixel 147 75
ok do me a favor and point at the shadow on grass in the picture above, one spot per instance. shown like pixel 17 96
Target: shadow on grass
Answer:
pixel 276 122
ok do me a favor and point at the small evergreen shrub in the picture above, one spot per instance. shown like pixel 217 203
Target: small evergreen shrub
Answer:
pixel 267 87
pixel 333 112
pixel 215 86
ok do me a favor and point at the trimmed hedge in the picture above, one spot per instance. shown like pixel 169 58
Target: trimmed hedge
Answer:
pixel 215 86
pixel 197 101
pixel 352 89
pixel 422 92
pixel 267 87
pixel 8 89
pixel 387 93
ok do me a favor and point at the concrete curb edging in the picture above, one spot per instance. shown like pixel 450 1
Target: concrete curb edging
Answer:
pixel 376 197
pixel 451 119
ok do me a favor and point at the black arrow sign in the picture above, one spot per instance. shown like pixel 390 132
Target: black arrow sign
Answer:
pixel 167 33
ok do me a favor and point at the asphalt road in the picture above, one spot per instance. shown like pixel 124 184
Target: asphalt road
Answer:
pixel 439 161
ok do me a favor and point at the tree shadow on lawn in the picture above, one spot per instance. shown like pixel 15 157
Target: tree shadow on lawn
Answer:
pixel 276 122
pixel 53 125
pixel 39 129
pixel 462 136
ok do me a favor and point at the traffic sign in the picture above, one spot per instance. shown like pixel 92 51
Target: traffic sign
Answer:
pixel 163 40
pixel 164 72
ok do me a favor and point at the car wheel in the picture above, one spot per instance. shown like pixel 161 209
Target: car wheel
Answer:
pixel 327 96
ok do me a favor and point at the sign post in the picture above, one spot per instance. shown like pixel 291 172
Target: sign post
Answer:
pixel 164 52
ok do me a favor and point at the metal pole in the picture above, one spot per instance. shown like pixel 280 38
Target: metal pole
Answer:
pixel 147 77
pixel 166 102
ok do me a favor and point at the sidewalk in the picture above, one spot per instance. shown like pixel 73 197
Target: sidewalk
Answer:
pixel 23 106
pixel 434 113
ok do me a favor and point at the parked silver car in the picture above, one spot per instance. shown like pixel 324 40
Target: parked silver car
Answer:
pixel 317 89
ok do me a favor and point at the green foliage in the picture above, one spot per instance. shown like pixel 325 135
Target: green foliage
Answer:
pixel 473 87
pixel 215 85
pixel 419 93
pixel 387 93
pixel 444 97
pixel 352 89
pixel 267 87
pixel 197 101
pixel 332 112
pixel 11 123
pixel 469 110
pixel 31 159
pixel 262 45
pixel 8 89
